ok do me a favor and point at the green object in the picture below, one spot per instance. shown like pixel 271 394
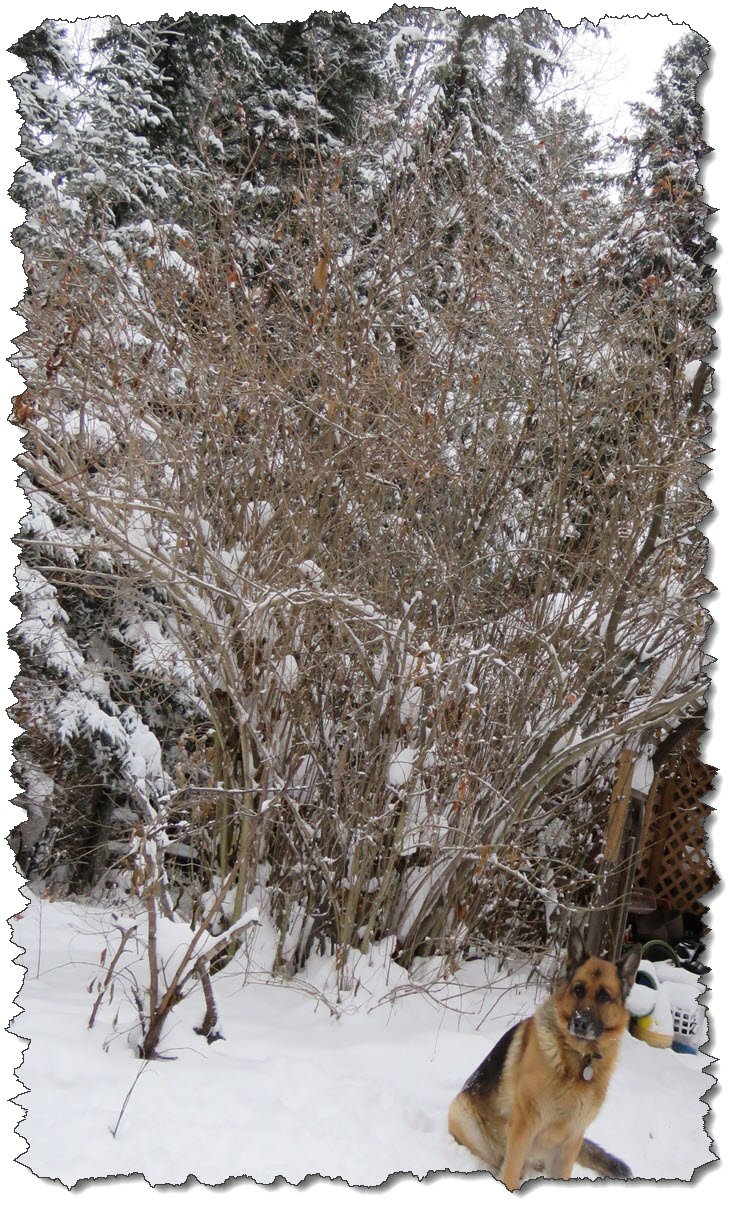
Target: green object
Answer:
pixel 659 951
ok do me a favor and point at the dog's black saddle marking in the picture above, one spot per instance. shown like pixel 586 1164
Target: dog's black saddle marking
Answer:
pixel 488 1073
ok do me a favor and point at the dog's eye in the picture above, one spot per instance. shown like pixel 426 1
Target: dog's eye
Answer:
pixel 603 996
pixel 579 990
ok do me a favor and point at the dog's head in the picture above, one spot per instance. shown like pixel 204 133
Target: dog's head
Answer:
pixel 591 998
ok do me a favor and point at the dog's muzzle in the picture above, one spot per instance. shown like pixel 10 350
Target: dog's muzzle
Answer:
pixel 585 1024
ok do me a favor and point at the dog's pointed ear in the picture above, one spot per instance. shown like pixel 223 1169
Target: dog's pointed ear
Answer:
pixel 627 967
pixel 576 951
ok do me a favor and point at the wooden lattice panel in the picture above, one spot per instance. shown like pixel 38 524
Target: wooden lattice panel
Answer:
pixel 675 862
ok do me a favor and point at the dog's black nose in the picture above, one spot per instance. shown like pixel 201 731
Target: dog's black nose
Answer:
pixel 582 1024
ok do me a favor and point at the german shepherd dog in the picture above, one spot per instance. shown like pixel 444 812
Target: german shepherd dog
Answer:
pixel 525 1109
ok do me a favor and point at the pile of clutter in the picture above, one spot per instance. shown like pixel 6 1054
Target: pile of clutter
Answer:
pixel 665 1008
pixel 665 1003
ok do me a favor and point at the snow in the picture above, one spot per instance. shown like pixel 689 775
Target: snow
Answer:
pixel 402 766
pixel 154 652
pixel 175 262
pixel 643 774
pixel 42 627
pixel 691 369
pixel 77 715
pixel 311 572
pixel 641 1000
pixel 294 1089
pixel 411 32
pixel 258 514
pixel 287 673
pixel 143 753
pixel 399 151
pixel 95 431
pixel 539 53
pixel 178 943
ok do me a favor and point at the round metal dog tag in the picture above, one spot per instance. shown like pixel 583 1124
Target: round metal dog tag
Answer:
pixel 588 1073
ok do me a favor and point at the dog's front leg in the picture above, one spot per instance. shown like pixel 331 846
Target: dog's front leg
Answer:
pixel 518 1142
pixel 565 1158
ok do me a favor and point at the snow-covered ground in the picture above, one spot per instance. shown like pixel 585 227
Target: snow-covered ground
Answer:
pixel 293 1089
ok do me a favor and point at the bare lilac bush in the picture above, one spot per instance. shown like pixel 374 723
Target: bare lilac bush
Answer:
pixel 378 477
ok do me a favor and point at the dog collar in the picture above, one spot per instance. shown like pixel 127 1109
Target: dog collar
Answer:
pixel 588 1070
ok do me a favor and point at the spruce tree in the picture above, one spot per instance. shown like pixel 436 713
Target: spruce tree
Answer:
pixel 46 101
pixel 672 246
